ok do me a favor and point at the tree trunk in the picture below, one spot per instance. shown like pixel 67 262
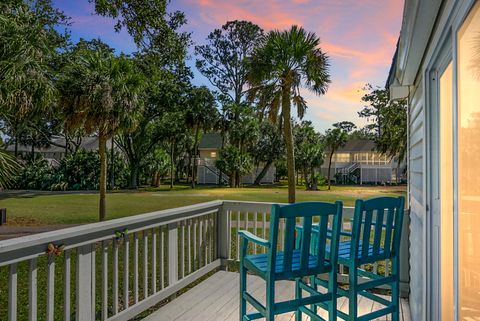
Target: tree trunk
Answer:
pixel 195 151
pixel 314 181
pixel 134 169
pixel 16 147
pixel 102 147
pixel 172 166
pixel 157 182
pixel 262 174
pixel 329 167
pixel 232 180
pixel 287 125
pixel 112 165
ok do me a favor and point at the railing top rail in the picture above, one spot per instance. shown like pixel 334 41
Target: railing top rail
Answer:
pixel 88 233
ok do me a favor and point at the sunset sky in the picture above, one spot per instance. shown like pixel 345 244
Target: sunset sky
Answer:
pixel 358 35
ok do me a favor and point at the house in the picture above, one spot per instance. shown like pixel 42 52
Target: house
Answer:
pixel 57 149
pixel 359 163
pixel 207 173
pixel 437 68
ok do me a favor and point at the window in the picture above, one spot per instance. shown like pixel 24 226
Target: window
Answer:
pixel 341 157
pixel 468 74
pixel 213 154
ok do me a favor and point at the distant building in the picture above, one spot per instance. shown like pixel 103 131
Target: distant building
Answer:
pixel 57 149
pixel 359 163
pixel 207 173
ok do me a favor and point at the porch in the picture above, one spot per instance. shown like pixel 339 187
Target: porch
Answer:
pixel 216 299
pixel 168 261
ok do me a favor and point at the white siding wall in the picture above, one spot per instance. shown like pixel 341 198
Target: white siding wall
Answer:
pixel 416 201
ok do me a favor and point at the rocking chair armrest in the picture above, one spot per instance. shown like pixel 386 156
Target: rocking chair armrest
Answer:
pixel 253 238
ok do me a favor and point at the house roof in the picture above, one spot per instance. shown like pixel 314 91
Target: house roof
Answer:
pixel 210 141
pixel 88 143
pixel 357 145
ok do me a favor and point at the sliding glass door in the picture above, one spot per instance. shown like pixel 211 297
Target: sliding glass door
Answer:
pixel 468 91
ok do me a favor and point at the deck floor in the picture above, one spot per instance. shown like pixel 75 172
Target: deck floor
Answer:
pixel 216 298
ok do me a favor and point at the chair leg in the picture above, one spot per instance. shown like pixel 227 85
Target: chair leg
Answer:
pixel 243 289
pixel 270 299
pixel 298 295
pixel 313 285
pixel 396 291
pixel 352 294
pixel 332 288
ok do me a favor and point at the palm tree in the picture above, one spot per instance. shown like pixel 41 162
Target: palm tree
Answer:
pixel 334 139
pixel 8 168
pixel 99 93
pixel 284 62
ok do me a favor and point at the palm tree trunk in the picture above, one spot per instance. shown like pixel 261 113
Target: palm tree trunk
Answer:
pixel 172 166
pixel 102 147
pixel 329 167
pixel 112 165
pixel 287 126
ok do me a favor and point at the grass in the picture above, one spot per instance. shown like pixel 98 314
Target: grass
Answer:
pixel 79 208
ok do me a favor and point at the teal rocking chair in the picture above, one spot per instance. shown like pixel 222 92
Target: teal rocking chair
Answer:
pixel 375 236
pixel 293 263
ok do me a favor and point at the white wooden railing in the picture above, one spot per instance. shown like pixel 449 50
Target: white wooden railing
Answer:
pixel 118 269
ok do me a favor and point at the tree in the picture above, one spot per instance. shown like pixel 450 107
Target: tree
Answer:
pixel 334 139
pixel 243 132
pixel 29 41
pixel 308 152
pixel 232 161
pixel 284 62
pixel 267 149
pixel 201 113
pixel 156 165
pixel 99 92
pixel 389 123
pixel 222 59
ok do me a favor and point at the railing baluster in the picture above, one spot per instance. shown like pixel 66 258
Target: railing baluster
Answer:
pixel 182 250
pixel 145 264
pixel 200 241
pixel 195 244
pixel 229 233
pixel 93 276
pixel 212 232
pixel 104 280
pixel 161 258
pixel 50 288
pixel 135 267
pixel 209 235
pixel 66 285
pixel 206 245
pixel 154 261
pixel 12 293
pixel 189 243
pixel 32 290
pixel 264 230
pixel 115 277
pixel 238 236
pixel 126 243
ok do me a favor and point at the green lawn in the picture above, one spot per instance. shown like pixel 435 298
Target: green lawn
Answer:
pixel 51 208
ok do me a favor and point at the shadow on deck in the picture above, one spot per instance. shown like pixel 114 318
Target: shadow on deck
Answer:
pixel 216 299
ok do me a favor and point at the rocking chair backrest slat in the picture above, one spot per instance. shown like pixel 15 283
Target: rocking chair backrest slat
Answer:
pixel 373 239
pixel 307 213
pixel 377 238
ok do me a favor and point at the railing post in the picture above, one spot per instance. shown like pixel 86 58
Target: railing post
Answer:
pixel 172 253
pixel 85 283
pixel 405 256
pixel 222 235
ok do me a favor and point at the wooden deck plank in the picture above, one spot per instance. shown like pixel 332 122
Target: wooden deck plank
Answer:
pixel 216 298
